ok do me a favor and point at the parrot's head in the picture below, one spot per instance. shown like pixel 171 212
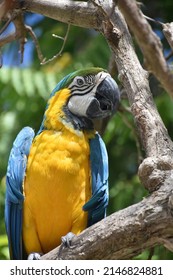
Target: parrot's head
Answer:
pixel 90 94
pixel 94 94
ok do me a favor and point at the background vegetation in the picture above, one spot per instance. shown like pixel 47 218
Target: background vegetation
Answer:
pixel 25 88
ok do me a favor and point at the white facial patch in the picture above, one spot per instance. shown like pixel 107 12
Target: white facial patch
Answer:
pixel 83 92
pixel 78 105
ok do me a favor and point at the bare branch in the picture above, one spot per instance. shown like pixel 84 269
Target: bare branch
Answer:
pixel 2 9
pixel 152 20
pixel 7 39
pixel 62 47
pixel 20 34
pixel 6 25
pixel 35 40
pixel 5 6
pixel 149 43
pixel 167 30
pixel 71 12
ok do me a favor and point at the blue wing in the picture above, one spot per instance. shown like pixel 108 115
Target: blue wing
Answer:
pixel 97 205
pixel 14 192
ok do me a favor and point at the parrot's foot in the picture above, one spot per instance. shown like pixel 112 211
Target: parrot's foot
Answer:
pixel 34 256
pixel 67 240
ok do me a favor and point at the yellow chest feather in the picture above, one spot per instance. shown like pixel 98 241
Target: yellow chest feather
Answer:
pixel 56 187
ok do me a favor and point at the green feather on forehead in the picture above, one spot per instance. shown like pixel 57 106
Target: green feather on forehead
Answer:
pixel 84 72
pixel 64 83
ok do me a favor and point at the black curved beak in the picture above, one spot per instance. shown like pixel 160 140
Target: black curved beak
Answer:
pixel 106 100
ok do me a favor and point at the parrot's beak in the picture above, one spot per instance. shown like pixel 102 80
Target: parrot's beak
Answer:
pixel 106 100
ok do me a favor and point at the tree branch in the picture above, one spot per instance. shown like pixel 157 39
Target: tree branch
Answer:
pixel 126 233
pixel 168 32
pixel 64 39
pixel 5 6
pixel 20 33
pixel 82 14
pixel 149 43
pixel 7 39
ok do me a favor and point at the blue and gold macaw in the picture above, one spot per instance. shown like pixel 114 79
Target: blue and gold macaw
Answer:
pixel 57 181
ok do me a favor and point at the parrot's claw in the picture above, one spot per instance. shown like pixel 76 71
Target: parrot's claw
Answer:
pixel 66 242
pixel 67 239
pixel 34 256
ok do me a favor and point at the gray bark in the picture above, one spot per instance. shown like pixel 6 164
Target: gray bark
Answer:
pixel 77 13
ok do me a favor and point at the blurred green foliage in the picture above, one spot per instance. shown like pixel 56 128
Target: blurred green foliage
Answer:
pixel 24 92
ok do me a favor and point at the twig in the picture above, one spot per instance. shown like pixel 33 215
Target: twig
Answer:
pixel 7 39
pixel 57 36
pixel 20 34
pixel 6 25
pixel 34 38
pixel 167 29
pixel 153 20
pixel 62 47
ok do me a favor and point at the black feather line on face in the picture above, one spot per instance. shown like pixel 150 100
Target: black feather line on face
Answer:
pixel 79 123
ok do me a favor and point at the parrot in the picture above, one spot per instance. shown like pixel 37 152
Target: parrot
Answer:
pixel 57 179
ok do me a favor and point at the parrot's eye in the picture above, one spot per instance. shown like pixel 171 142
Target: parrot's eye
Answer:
pixel 80 82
